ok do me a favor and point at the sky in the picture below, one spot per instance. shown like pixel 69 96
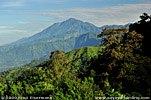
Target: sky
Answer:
pixel 24 18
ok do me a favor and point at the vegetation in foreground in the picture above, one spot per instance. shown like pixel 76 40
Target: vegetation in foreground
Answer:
pixel 118 69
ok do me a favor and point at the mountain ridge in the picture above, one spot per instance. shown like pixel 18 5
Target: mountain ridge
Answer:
pixel 68 26
pixel 66 36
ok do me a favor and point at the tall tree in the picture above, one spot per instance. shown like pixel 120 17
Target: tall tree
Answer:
pixel 59 64
pixel 121 61
pixel 143 27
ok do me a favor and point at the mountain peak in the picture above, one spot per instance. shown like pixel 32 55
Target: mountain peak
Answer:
pixel 72 19
pixel 70 26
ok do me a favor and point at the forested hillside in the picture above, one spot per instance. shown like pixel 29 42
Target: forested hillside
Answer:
pixel 120 68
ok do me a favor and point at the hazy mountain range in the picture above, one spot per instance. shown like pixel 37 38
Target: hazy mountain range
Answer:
pixel 66 36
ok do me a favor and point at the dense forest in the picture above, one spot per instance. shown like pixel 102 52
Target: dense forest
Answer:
pixel 120 67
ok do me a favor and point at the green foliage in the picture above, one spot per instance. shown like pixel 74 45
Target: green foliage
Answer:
pixel 72 89
pixel 58 77
pixel 14 73
pixel 3 88
pixel 2 80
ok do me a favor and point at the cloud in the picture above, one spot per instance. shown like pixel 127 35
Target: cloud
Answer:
pixel 46 1
pixel 100 16
pixel 11 4
pixel 10 33
pixel 3 27
pixel 147 1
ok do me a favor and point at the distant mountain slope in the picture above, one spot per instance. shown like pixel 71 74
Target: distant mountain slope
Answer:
pixel 22 54
pixel 115 26
pixel 66 36
pixel 62 30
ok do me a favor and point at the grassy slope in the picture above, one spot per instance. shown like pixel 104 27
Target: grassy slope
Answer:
pixel 83 55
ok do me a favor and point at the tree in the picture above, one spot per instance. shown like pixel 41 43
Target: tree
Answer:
pixel 121 61
pixel 119 50
pixel 143 27
pixel 2 80
pixel 59 64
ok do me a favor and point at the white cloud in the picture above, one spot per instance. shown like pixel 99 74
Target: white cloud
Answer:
pixel 101 16
pixel 3 27
pixel 147 1
pixel 11 4
pixel 45 1
pixel 9 34
pixel 14 32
